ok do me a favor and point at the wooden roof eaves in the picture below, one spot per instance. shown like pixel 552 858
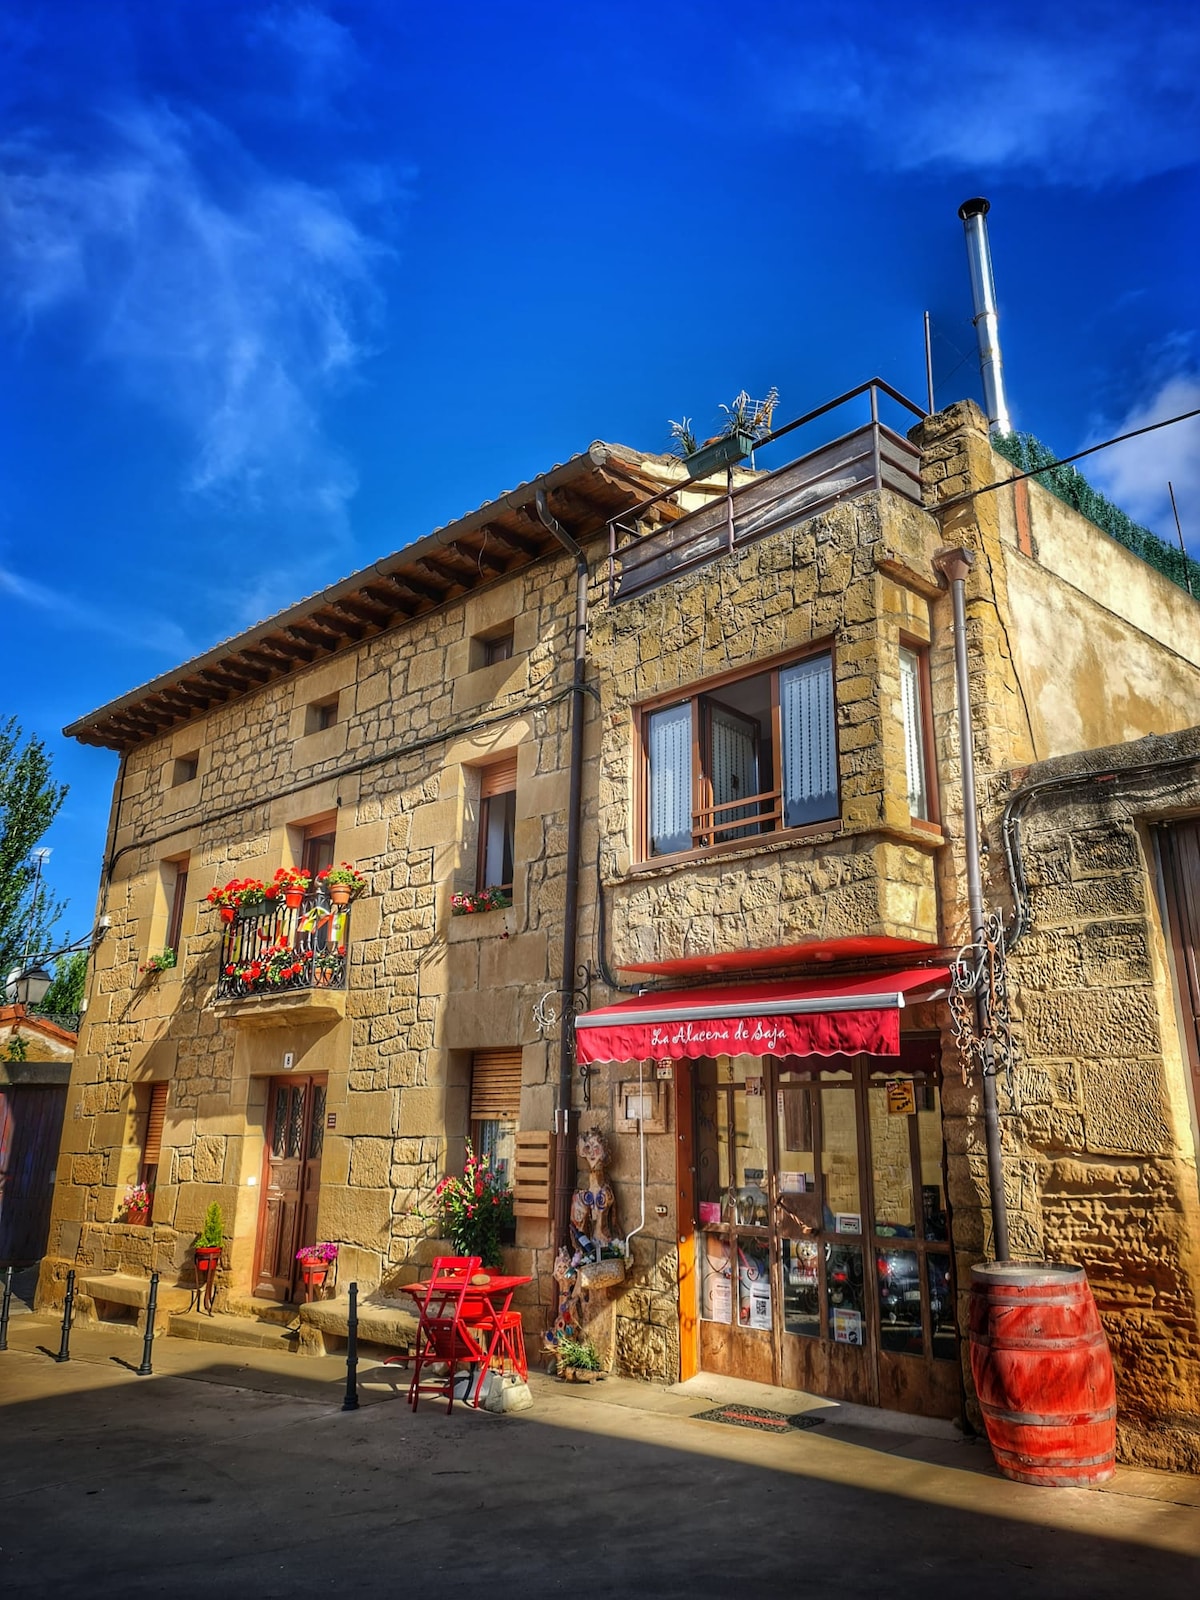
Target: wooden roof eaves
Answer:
pixel 257 651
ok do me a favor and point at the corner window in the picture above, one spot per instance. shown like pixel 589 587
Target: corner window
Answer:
pixel 912 711
pixel 497 825
pixel 755 756
pixel 185 769
pixel 496 1108
pixel 321 714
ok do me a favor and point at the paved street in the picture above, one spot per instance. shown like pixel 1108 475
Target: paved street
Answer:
pixel 234 1472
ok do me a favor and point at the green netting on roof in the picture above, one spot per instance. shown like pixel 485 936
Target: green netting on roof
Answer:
pixel 1028 453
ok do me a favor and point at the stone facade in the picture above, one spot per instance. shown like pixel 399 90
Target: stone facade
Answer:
pixel 1098 1137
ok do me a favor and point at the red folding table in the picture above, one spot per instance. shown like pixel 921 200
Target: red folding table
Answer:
pixel 465 1318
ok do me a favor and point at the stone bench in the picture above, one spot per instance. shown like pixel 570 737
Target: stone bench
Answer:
pixel 390 1324
pixel 122 1298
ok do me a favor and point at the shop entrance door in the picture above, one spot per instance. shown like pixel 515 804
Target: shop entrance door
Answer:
pixel 291 1182
pixel 822 1231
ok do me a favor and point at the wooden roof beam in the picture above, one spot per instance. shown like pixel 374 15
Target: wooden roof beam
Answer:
pixel 361 609
pixel 483 557
pixel 391 594
pixel 315 631
pixel 420 590
pixel 515 542
pixel 439 574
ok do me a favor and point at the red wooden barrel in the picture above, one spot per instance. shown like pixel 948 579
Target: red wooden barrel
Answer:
pixel 1043 1373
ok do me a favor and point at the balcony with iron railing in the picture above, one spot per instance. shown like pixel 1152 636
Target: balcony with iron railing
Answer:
pixel 661 538
pixel 281 961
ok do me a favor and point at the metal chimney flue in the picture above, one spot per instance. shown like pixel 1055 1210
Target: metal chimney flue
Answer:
pixel 987 319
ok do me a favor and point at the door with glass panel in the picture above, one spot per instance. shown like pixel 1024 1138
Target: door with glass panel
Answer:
pixel 823 1251
pixel 295 1137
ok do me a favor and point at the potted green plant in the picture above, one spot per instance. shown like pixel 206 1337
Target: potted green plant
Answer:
pixel 474 1211
pixel 747 422
pixel 577 1360
pixel 292 883
pixel 344 882
pixel 210 1241
pixel 160 963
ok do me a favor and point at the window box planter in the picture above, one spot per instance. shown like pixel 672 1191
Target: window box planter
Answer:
pixel 724 452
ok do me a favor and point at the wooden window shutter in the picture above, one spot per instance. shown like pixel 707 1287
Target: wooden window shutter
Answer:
pixel 499 778
pixel 533 1175
pixel 155 1121
pixel 495 1085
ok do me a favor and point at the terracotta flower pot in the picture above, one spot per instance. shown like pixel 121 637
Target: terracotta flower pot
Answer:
pixel 339 894
pixel 292 898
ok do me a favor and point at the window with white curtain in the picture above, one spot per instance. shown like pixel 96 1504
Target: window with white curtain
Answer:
pixel 754 756
pixel 914 733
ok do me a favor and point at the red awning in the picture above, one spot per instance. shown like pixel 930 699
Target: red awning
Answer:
pixel 795 1017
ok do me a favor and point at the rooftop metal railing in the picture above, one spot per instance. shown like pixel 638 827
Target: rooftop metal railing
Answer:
pixel 870 456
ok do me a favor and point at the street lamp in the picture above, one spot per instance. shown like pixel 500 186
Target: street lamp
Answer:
pixel 29 984
pixel 29 987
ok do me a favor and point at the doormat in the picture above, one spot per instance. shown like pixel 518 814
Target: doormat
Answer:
pixel 756 1417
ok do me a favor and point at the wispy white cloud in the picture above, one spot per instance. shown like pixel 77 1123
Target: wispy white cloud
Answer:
pixel 134 628
pixel 1082 95
pixel 235 299
pixel 323 54
pixel 1135 474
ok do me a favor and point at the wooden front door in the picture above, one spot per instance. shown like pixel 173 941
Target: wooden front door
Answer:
pixel 295 1135
pixel 822 1240
pixel 31 1119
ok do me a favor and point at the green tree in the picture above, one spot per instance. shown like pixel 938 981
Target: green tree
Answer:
pixel 29 803
pixel 65 994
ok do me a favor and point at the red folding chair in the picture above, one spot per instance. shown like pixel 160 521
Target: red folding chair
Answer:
pixel 448 1324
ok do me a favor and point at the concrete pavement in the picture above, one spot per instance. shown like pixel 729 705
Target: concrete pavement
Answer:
pixel 235 1472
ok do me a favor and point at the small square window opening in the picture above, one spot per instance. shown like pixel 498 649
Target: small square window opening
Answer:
pixel 320 715
pixel 185 769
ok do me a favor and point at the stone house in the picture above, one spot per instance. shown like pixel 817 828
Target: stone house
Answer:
pixel 706 735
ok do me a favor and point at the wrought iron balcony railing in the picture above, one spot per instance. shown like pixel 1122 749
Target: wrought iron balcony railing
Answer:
pixel 275 948
pixel 663 537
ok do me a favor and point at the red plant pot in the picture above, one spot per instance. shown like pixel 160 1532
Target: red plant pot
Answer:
pixel 226 913
pixel 292 898
pixel 207 1257
pixel 315 1272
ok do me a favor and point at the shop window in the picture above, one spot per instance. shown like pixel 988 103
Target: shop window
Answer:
pixel 754 756
pixel 177 881
pixel 914 710
pixel 185 769
pixel 497 825
pixel 496 1108
pixel 321 714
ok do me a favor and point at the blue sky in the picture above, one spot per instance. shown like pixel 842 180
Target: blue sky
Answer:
pixel 285 286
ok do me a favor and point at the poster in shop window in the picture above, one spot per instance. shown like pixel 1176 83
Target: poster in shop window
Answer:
pixel 847 1326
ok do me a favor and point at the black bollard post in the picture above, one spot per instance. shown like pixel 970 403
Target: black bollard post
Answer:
pixel 64 1349
pixel 146 1370
pixel 350 1403
pixel 5 1304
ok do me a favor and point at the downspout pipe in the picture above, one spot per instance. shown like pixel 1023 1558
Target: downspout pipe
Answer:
pixel 955 565
pixel 564 1164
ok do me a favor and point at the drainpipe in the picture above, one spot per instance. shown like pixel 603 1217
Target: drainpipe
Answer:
pixel 564 1166
pixel 956 564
